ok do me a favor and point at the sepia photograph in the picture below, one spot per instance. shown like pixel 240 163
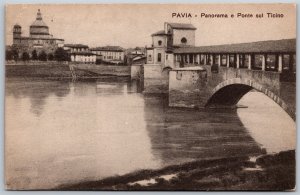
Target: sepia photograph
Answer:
pixel 150 97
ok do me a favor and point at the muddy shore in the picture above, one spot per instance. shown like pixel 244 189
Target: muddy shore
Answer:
pixel 275 172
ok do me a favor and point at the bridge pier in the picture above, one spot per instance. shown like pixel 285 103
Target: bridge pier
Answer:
pixel 155 79
pixel 135 71
pixel 187 87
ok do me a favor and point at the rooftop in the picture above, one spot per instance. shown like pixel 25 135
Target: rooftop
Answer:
pixel 108 48
pixel 161 32
pixel 83 53
pixel 76 46
pixel 185 26
pixel 271 46
pixel 39 20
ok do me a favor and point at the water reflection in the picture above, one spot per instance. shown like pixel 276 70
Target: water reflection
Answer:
pixel 36 91
pixel 181 135
pixel 59 132
pixel 267 123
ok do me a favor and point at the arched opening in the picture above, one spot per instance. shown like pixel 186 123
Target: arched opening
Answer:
pixel 267 122
pixel 229 93
pixel 159 57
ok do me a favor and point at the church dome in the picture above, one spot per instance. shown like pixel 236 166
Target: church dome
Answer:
pixel 39 27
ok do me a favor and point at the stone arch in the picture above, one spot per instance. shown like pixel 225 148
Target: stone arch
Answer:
pixel 167 68
pixel 229 92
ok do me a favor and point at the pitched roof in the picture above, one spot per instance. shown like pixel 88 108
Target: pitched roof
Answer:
pixel 185 26
pixel 272 46
pixel 161 32
pixel 76 45
pixel 107 48
pixel 85 53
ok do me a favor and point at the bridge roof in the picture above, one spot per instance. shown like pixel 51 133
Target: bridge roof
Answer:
pixel 273 46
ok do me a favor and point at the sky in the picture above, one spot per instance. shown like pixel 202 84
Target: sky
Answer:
pixel 131 25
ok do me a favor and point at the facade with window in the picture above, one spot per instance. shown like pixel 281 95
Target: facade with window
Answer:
pixel 111 54
pixel 85 57
pixel 39 38
pixel 163 42
pixel 72 48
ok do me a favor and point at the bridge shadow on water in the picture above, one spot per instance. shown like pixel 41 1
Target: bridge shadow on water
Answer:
pixel 181 135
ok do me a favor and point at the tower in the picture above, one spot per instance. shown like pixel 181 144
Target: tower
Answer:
pixel 17 31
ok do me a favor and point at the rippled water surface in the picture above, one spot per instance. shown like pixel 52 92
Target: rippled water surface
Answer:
pixel 59 132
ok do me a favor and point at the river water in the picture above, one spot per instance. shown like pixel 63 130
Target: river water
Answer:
pixel 62 132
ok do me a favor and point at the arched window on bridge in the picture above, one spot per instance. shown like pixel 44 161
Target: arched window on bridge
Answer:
pixel 223 60
pixel 232 60
pixel 271 62
pixel 159 57
pixel 294 63
pixel 202 59
pixel 285 62
pixel 243 61
pixel 191 58
pixel 258 60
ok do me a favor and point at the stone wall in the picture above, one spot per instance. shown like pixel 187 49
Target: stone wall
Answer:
pixel 154 79
pixel 185 87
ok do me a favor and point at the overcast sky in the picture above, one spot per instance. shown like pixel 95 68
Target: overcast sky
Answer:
pixel 132 25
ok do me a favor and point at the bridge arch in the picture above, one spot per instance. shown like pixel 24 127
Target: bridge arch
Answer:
pixel 229 92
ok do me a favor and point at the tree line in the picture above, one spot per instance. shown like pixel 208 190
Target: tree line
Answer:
pixel 59 55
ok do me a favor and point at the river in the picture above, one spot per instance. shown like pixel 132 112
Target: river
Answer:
pixel 61 132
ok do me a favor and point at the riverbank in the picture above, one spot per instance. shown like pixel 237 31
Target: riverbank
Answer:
pixel 62 70
pixel 275 172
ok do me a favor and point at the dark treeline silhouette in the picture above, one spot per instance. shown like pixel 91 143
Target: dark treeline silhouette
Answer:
pixel 59 55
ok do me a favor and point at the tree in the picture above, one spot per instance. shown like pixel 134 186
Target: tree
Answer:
pixel 15 54
pixel 8 55
pixel 61 55
pixel 50 57
pixel 25 56
pixel 43 56
pixel 34 55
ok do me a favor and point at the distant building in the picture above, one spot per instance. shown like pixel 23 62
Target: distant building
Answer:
pixel 80 53
pixel 39 38
pixel 111 54
pixel 71 48
pixel 135 55
pixel 83 57
pixel 164 41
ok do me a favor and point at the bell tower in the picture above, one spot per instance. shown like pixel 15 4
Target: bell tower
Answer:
pixel 17 31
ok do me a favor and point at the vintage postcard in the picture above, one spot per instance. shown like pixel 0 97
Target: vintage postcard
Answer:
pixel 150 97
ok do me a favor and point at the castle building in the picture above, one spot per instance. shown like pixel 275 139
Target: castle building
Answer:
pixel 39 38
pixel 174 35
